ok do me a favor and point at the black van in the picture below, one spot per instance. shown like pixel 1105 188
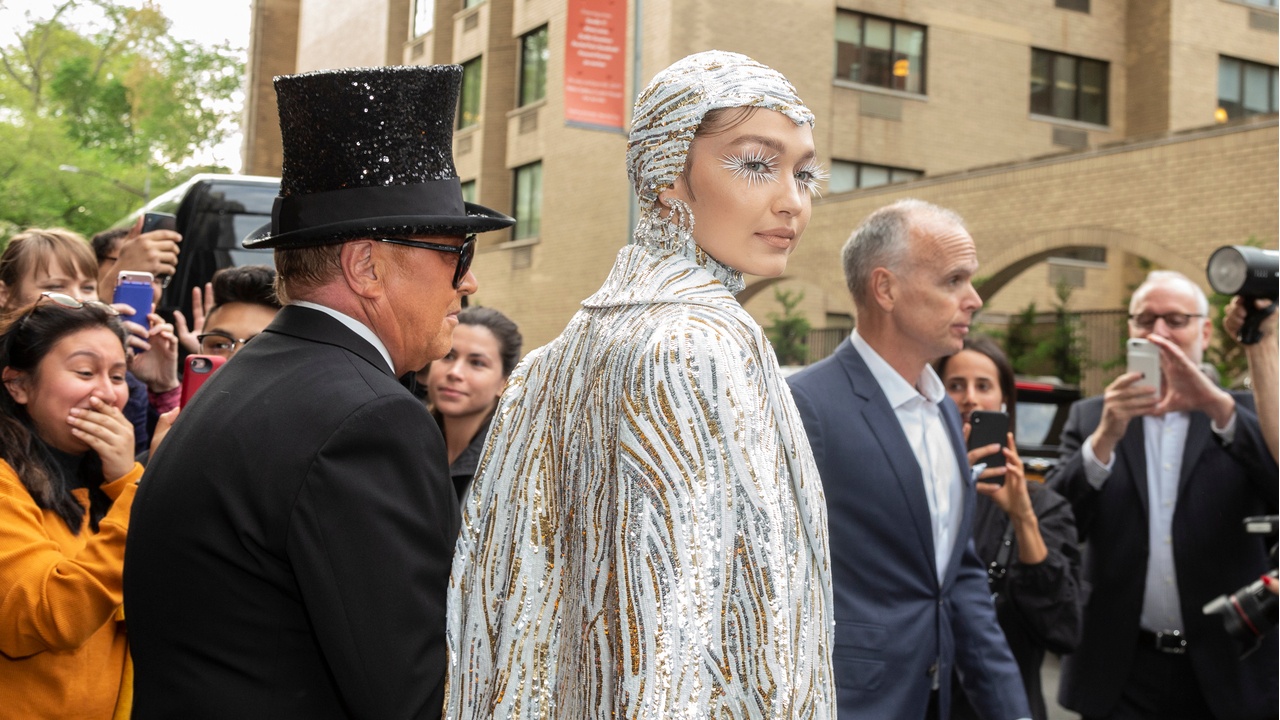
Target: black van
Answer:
pixel 215 213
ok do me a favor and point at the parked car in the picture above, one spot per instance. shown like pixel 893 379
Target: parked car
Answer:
pixel 215 213
pixel 1043 405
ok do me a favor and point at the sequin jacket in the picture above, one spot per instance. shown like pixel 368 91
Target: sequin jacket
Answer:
pixel 647 535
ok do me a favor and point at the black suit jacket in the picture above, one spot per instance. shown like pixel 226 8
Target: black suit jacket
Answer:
pixel 290 545
pixel 1218 487
pixel 895 624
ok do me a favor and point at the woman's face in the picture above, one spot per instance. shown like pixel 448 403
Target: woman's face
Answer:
pixel 467 381
pixel 973 382
pixel 81 365
pixel 750 189
pixel 56 276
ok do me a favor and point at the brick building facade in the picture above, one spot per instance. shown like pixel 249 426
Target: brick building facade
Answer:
pixel 1082 140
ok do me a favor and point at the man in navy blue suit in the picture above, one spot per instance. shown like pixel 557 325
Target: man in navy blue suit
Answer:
pixel 911 596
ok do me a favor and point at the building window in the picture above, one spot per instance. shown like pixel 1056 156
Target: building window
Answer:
pixel 469 191
pixel 880 52
pixel 528 201
pixel 470 3
pixel 846 175
pixel 1076 5
pixel 1261 3
pixel 1245 88
pixel 469 106
pixel 1068 87
pixel 423 16
pixel 533 66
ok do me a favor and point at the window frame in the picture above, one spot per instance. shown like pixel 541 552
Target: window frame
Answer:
pixel 522 79
pixel 1273 94
pixel 859 166
pixel 416 15
pixel 531 212
pixel 893 50
pixel 1078 62
pixel 464 92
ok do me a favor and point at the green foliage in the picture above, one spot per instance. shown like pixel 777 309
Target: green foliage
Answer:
pixel 1053 348
pixel 789 332
pixel 118 98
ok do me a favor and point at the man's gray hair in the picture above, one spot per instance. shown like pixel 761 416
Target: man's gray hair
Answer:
pixel 882 241
pixel 1170 277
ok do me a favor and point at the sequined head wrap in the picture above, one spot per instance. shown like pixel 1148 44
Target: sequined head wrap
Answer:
pixel 671 108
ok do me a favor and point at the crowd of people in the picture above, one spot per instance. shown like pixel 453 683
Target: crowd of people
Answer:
pixel 377 509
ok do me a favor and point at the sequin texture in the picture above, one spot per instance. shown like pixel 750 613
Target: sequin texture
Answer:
pixel 646 534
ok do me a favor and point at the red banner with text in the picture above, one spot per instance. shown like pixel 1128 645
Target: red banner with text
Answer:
pixel 594 64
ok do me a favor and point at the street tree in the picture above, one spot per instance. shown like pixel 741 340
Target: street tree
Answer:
pixel 99 103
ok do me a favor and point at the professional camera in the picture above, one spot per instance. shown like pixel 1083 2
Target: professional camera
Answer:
pixel 1250 612
pixel 1252 274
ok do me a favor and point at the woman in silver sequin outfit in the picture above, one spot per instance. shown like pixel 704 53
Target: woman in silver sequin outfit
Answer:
pixel 646 537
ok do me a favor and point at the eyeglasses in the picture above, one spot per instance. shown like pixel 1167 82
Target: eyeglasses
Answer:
pixel 1175 321
pixel 220 343
pixel 465 252
pixel 65 301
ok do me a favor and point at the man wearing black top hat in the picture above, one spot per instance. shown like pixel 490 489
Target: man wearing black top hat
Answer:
pixel 290 549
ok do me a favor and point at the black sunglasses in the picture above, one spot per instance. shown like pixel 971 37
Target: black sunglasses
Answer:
pixel 465 252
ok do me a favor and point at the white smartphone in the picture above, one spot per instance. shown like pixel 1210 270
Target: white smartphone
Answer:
pixel 1144 358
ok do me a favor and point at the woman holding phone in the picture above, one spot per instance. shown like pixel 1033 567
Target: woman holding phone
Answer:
pixel 67 482
pixel 1024 532
pixel 55 260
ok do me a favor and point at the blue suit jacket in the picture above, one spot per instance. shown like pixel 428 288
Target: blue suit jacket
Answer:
pixel 895 625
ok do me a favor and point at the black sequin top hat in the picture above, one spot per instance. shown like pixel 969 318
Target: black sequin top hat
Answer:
pixel 369 151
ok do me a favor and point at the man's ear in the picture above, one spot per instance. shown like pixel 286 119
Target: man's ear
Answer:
pixel 884 288
pixel 361 267
pixel 16 383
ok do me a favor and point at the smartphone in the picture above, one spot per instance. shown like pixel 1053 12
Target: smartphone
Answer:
pixel 987 427
pixel 159 221
pixel 198 369
pixel 134 289
pixel 1144 357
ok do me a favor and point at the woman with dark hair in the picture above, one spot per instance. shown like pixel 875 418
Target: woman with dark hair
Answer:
pixel 463 387
pixel 67 482
pixel 40 260
pixel 1024 532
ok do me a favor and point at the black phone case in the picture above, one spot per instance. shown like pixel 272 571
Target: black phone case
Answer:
pixel 986 427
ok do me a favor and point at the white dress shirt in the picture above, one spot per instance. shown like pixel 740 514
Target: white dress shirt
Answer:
pixel 1164 438
pixel 918 412
pixel 356 326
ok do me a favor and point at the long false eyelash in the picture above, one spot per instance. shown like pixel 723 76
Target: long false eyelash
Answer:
pixel 739 166
pixel 817 175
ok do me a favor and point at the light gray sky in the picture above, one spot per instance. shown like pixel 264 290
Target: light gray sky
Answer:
pixel 205 21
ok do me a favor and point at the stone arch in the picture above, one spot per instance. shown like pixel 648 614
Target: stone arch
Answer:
pixel 1012 259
